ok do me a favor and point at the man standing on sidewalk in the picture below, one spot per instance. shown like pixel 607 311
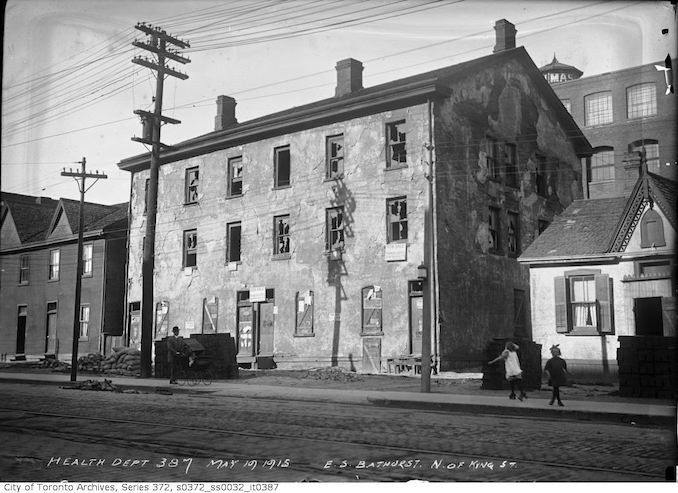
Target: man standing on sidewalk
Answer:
pixel 174 346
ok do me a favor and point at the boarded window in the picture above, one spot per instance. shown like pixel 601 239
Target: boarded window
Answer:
pixel 210 315
pixel 161 319
pixel 304 310
pixel 372 309
pixel 396 213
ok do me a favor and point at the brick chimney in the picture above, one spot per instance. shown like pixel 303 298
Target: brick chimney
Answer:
pixel 632 169
pixel 505 34
pixel 349 76
pixel 225 113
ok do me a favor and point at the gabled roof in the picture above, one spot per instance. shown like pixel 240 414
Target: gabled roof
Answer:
pixel 600 227
pixel 36 217
pixel 409 90
pixel 32 215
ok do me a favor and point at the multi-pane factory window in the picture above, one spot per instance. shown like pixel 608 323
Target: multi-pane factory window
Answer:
pixel 651 152
pixel 335 228
pixel 396 144
pixel 233 232
pixel 234 177
pixel 191 248
pixel 598 108
pixel 396 214
pixel 602 164
pixel 641 100
pixel 191 186
pixel 282 167
pixel 335 156
pixel 281 240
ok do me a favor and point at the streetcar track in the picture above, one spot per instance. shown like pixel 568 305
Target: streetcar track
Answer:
pixel 280 436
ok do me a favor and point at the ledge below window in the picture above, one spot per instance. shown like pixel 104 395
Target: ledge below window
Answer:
pixel 281 256
pixel 391 168
pixel 586 331
pixel 304 335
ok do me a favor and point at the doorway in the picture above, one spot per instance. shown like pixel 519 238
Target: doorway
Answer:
pixel 416 299
pixel 256 322
pixel 21 333
pixel 648 316
pixel 51 343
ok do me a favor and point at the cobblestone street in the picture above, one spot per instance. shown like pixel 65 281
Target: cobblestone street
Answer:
pixel 98 436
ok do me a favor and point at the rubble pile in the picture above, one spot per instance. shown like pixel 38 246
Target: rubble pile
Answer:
pixel 54 365
pixel 106 385
pixel 90 363
pixel 123 361
pixel 334 374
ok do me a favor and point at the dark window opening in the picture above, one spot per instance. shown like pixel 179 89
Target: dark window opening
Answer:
pixel 282 166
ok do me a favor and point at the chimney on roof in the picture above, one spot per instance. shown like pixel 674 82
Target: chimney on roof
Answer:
pixel 632 169
pixel 349 76
pixel 505 34
pixel 225 113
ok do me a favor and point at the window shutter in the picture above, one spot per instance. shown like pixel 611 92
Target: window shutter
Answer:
pixel 604 301
pixel 562 313
pixel 669 315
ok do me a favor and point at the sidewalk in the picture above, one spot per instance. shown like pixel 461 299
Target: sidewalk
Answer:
pixel 621 410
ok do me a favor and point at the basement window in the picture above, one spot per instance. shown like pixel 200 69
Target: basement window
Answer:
pixel 396 145
pixel 191 186
pixel 282 167
pixel 190 248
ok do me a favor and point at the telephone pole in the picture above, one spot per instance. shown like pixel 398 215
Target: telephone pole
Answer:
pixel 82 175
pixel 157 44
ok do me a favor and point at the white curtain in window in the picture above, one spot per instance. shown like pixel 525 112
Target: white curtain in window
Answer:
pixel 584 302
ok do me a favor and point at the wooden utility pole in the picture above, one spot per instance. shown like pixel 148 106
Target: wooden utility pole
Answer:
pixel 157 44
pixel 82 175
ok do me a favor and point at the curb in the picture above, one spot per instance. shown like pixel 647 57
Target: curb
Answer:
pixel 555 413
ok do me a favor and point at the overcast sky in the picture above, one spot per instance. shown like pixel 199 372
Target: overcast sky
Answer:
pixel 70 88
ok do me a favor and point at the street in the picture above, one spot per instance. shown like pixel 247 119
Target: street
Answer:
pixel 54 434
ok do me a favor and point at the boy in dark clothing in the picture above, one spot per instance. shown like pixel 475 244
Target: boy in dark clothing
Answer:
pixel 556 369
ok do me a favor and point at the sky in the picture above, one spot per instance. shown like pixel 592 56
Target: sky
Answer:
pixel 69 86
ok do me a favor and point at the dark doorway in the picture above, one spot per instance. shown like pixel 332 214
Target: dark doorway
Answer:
pixel 648 315
pixel 416 291
pixel 21 332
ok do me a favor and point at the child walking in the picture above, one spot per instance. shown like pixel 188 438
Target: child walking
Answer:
pixel 514 374
pixel 556 369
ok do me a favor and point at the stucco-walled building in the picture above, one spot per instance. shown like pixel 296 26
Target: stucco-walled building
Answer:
pixel 301 232
pixel 38 260
pixel 620 112
pixel 606 268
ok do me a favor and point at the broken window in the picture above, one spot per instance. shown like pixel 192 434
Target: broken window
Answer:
pixel 235 176
pixel 335 228
pixel 396 150
pixel 491 152
pixel 281 239
pixel 304 309
pixel 513 238
pixel 396 213
pixel 493 227
pixel 282 166
pixel 233 242
pixel 191 248
pixel 335 156
pixel 192 179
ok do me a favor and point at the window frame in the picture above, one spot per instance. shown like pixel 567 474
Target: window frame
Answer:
pixel 391 144
pixel 653 159
pixel 88 261
pixel 494 226
pixel 513 237
pixel 646 238
pixel 233 179
pixel 603 301
pixel 83 324
pixel 639 106
pixel 53 274
pixel 329 230
pixel 277 182
pixel 390 237
pixel 603 115
pixel 606 168
pixel 329 157
pixel 24 269
pixel 281 250
pixel 299 329
pixel 191 196
pixel 188 250
pixel 368 329
pixel 229 241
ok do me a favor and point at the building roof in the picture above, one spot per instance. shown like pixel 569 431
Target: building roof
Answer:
pixel 597 227
pixel 409 90
pixel 35 217
pixel 556 66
